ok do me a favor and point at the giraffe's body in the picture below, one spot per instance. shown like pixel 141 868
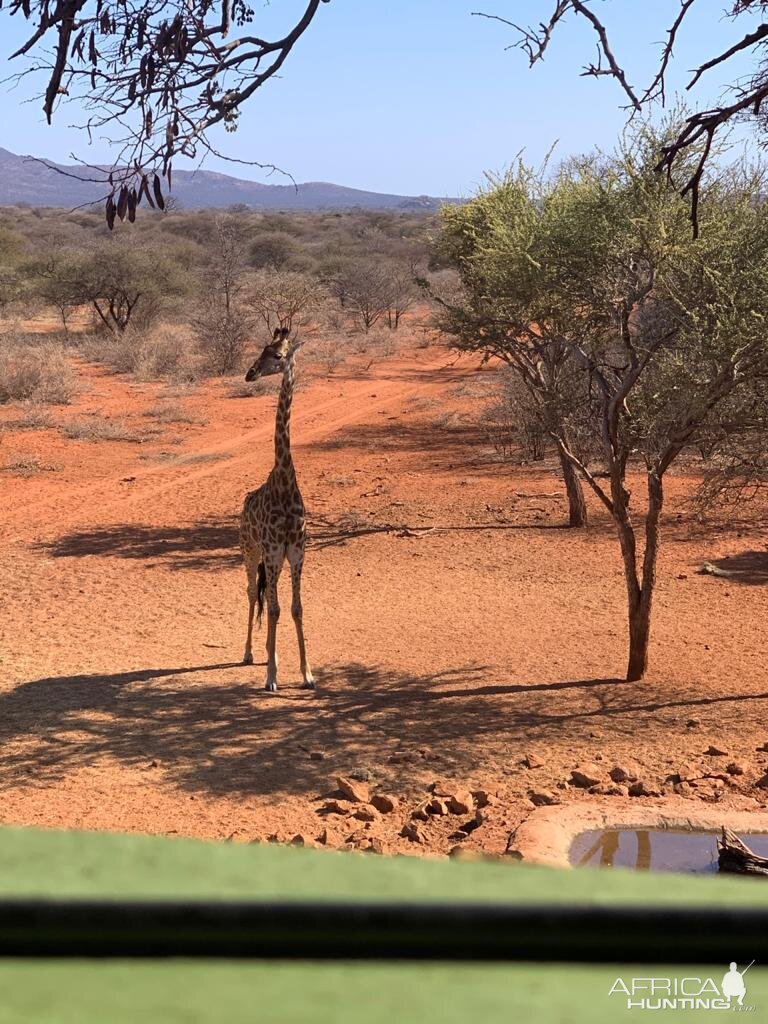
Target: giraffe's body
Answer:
pixel 273 522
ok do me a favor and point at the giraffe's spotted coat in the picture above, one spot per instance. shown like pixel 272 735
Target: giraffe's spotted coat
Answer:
pixel 273 524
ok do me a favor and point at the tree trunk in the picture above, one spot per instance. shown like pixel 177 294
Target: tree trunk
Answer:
pixel 639 631
pixel 640 597
pixel 577 506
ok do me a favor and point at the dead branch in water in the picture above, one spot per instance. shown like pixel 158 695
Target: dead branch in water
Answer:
pixel 735 857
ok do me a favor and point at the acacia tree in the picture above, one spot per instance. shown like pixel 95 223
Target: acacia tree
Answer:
pixel 154 76
pixel 498 243
pixel 666 333
pixel 697 134
pixel 122 283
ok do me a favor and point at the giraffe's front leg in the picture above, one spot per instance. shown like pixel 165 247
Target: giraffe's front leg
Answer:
pixel 273 616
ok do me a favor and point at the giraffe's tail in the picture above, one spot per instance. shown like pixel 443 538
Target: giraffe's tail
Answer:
pixel 261 589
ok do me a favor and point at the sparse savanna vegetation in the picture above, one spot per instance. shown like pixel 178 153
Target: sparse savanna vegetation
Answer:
pixel 184 295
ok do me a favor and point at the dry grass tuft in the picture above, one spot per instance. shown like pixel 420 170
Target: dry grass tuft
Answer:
pixel 173 412
pixel 97 428
pixel 28 465
pixel 34 417
pixel 33 372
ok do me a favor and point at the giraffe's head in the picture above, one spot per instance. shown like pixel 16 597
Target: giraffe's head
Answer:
pixel 274 358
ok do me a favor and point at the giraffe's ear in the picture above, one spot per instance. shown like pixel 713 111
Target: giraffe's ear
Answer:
pixel 284 332
pixel 277 333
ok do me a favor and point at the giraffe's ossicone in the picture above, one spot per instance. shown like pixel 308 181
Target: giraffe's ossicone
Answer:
pixel 273 524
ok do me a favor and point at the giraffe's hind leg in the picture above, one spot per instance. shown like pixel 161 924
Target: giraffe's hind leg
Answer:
pixel 296 562
pixel 255 570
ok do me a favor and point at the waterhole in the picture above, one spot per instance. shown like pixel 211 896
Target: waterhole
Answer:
pixel 654 849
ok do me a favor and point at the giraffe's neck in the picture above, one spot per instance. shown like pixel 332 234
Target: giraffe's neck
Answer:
pixel 283 458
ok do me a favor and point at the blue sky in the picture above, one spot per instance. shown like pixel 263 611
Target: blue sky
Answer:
pixel 416 96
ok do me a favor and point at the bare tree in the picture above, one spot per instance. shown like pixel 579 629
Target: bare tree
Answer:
pixel 697 134
pixel 222 321
pixel 155 75
pixel 283 298
pixel 368 291
pixel 402 295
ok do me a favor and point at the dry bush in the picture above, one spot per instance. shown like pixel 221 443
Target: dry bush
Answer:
pixel 254 389
pixel 165 352
pixel 97 428
pixel 35 372
pixel 329 352
pixel 513 424
pixel 28 465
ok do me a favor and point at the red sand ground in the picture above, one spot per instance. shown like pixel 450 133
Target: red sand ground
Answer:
pixel 441 653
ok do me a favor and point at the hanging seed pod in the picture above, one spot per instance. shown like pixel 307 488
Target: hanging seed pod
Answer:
pixel 110 211
pixel 158 192
pixel 122 202
pixel 133 202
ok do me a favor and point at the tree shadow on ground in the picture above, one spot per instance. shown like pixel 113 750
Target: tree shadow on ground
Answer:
pixel 213 543
pixel 227 737
pixel 749 567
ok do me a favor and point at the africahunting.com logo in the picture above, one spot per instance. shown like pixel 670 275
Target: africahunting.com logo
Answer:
pixel 690 993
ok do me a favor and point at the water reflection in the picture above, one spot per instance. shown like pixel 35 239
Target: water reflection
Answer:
pixel 653 849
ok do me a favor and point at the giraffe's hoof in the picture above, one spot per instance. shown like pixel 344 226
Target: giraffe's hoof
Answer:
pixel 308 684
pixel 247 658
pixel 270 687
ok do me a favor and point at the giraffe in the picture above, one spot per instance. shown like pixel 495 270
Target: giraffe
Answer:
pixel 273 522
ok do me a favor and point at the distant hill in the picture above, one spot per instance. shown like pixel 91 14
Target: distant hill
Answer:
pixel 24 181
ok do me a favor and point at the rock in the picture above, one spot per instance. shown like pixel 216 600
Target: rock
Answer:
pixel 420 813
pixel 709 569
pixel 585 776
pixel 483 798
pixel 376 846
pixel 460 802
pixel 734 768
pixel 609 789
pixel 335 807
pixel 713 751
pixel 530 760
pixel 762 783
pixel 693 723
pixel 642 788
pixel 361 774
pixel 322 838
pixel 366 813
pixel 317 755
pixel 763 746
pixel 543 798
pixel 622 773
pixel 298 840
pixel 442 788
pixel 460 853
pixel 384 802
pixel 469 826
pixel 436 806
pixel 413 832
pixel 353 790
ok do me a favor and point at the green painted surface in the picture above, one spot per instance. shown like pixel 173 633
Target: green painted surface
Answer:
pixel 69 864
pixel 208 993
pixel 93 864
